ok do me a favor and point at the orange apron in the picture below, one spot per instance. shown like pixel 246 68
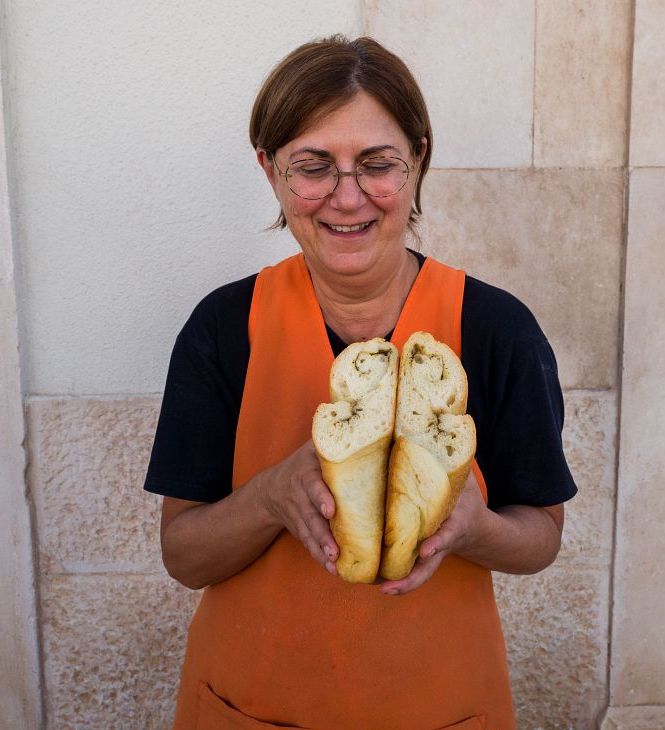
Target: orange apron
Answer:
pixel 285 644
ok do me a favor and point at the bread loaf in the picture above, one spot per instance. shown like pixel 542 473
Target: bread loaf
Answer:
pixel 352 437
pixel 433 453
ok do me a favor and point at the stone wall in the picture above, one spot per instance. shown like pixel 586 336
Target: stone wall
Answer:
pixel 548 179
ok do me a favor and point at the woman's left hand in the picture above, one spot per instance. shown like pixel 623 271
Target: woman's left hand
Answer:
pixel 462 531
pixel 517 538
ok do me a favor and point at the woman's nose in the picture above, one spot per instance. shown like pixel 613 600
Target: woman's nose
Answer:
pixel 348 194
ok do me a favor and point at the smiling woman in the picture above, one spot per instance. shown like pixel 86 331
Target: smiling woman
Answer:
pixel 319 77
pixel 351 225
pixel 342 134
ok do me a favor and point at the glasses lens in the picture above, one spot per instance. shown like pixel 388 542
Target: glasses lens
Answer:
pixel 382 176
pixel 312 179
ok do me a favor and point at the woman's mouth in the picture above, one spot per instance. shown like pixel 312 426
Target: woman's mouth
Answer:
pixel 355 229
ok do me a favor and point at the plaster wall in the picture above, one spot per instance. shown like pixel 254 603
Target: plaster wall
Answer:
pixel 137 188
pixel 140 194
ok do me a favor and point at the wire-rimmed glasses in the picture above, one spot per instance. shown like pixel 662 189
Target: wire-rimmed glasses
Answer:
pixel 315 178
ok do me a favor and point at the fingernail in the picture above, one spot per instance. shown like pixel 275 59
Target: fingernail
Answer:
pixel 391 591
pixel 331 569
pixel 324 510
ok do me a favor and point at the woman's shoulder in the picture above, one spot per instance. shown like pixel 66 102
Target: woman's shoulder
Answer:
pixel 225 307
pixel 489 312
pixel 234 295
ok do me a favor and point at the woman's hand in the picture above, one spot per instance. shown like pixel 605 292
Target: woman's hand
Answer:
pixel 463 529
pixel 207 543
pixel 295 494
pixel 515 539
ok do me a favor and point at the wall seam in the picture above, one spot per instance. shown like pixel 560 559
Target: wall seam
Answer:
pixel 620 348
pixel 27 687
pixel 533 90
pixel 40 397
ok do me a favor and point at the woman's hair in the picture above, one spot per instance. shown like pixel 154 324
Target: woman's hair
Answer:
pixel 322 76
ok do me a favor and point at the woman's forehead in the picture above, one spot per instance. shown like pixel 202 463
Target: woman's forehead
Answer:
pixel 362 125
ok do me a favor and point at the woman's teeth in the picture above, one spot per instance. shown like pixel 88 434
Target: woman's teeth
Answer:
pixel 348 229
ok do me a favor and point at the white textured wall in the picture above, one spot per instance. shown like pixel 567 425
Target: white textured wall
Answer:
pixel 136 188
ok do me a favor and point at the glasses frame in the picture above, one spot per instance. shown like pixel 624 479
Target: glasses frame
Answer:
pixel 350 173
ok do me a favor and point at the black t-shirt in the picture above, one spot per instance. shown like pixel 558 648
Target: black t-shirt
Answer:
pixel 514 397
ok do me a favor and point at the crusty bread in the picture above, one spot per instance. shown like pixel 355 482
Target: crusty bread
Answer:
pixel 433 452
pixel 352 438
pixel 417 496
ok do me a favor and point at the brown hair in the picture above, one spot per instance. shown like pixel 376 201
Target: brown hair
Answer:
pixel 323 75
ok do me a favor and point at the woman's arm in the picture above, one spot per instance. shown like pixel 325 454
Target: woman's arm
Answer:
pixel 515 539
pixel 206 543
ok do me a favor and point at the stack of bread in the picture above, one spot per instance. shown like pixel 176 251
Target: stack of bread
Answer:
pixel 414 483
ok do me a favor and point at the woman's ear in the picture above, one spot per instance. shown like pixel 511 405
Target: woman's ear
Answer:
pixel 264 159
pixel 422 148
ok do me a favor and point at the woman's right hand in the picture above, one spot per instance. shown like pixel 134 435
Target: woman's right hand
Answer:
pixel 205 543
pixel 294 493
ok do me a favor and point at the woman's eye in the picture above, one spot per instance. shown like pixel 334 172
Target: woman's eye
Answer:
pixel 313 170
pixel 377 168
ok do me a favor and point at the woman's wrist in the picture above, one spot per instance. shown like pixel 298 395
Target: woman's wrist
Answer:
pixel 262 486
pixel 483 537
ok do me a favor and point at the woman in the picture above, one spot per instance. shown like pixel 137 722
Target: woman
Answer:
pixel 342 133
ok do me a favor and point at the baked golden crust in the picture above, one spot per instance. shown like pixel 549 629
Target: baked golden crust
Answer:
pixel 352 438
pixel 358 487
pixel 419 499
pixel 433 453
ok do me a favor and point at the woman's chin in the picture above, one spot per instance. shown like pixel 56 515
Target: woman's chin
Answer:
pixel 347 262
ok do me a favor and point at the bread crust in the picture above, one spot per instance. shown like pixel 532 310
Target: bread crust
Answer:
pixel 358 487
pixel 433 452
pixel 352 438
pixel 419 498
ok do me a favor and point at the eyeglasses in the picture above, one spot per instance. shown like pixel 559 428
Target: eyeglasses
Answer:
pixel 313 179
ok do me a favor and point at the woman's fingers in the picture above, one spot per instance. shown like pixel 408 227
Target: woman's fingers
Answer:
pixel 320 496
pixel 464 526
pixel 314 532
pixel 440 542
pixel 323 507
pixel 304 504
pixel 422 571
pixel 304 534
pixel 313 504
pixel 319 528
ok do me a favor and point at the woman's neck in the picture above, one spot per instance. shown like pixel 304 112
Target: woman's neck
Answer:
pixel 360 308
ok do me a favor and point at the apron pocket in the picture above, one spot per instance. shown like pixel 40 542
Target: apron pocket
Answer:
pixel 216 714
pixel 471 723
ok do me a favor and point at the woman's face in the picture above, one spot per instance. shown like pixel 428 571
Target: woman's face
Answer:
pixel 347 136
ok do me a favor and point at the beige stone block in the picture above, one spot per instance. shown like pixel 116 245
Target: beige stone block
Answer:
pixel 638 652
pixel 634 718
pixel 113 649
pixel 474 63
pixel 589 440
pixel 555 624
pixel 88 459
pixel 581 82
pixel 647 129
pixel 551 237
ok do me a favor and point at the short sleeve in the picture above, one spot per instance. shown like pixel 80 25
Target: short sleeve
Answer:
pixel 515 397
pixel 192 454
